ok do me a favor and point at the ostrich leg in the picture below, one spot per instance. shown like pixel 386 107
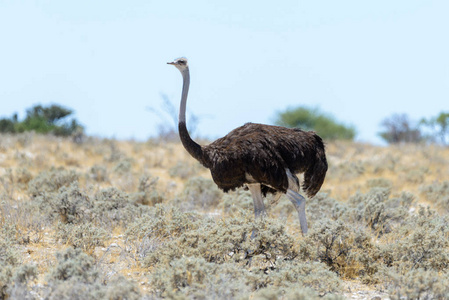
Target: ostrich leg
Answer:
pixel 298 201
pixel 300 204
pixel 256 193
pixel 259 207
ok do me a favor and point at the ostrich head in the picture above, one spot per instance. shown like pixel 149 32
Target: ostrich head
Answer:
pixel 180 63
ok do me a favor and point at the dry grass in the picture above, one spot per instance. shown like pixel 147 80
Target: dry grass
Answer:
pixel 144 220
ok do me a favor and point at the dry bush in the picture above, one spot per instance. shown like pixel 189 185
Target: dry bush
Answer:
pixel 123 166
pixel 378 211
pixel 186 234
pixel 335 246
pixel 10 258
pixel 147 193
pixel 22 282
pixel 293 293
pixel 199 193
pixel 69 204
pixel 184 170
pixel 196 278
pixel 112 207
pixel 235 201
pixel 28 223
pixel 99 173
pixel 438 194
pixel 347 170
pixel 416 284
pixel 421 242
pixel 51 181
pixel 75 276
pixel 298 274
pixel 323 207
pixel 83 236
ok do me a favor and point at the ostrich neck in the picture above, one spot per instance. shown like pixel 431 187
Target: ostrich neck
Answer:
pixel 185 90
pixel 190 145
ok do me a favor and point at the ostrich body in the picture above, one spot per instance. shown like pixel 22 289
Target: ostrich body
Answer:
pixel 265 158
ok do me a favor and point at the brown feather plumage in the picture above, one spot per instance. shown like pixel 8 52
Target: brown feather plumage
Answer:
pixel 265 152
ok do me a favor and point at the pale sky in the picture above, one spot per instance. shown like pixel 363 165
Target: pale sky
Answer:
pixel 360 61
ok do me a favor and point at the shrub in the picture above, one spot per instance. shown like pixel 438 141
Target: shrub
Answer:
pixel 200 193
pixel 21 282
pixel 227 240
pixel 99 173
pixel 123 166
pixel 298 274
pixel 83 236
pixel 399 129
pixel 51 181
pixel 421 242
pixel 43 120
pixel 70 204
pixel 183 170
pixel 234 202
pixel 416 284
pixel 437 193
pixel 112 207
pixel 163 222
pixel 75 276
pixel 313 119
pixel 9 259
pixel 293 293
pixel 378 211
pixel 335 244
pixel 147 193
pixel 438 127
pixel 196 278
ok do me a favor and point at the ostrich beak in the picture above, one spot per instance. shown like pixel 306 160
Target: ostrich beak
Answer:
pixel 171 63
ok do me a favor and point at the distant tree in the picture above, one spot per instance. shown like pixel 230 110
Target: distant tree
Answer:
pixel 313 119
pixel 51 119
pixel 51 114
pixel 399 129
pixel 7 126
pixel 438 127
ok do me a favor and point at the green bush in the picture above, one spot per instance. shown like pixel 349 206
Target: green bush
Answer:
pixel 43 120
pixel 313 119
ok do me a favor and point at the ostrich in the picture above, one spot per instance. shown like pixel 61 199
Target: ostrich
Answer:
pixel 265 158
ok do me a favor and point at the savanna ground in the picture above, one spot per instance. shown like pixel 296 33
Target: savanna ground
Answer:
pixel 106 219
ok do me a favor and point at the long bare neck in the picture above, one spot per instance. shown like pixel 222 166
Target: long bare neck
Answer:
pixel 191 146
